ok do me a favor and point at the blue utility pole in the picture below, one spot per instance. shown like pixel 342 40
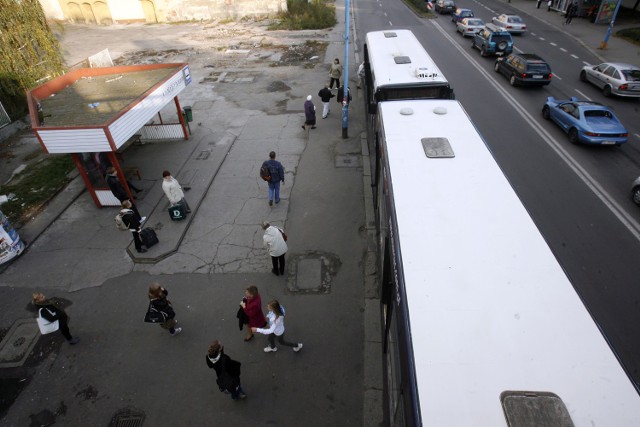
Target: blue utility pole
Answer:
pixel 345 85
pixel 603 45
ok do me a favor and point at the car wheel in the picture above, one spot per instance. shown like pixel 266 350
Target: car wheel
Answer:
pixel 583 76
pixel 573 136
pixel 606 91
pixel 546 112
pixel 497 67
pixel 502 45
pixel 483 51
pixel 513 81
pixel 635 195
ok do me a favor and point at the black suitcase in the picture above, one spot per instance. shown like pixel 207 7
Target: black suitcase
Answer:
pixel 148 237
pixel 177 212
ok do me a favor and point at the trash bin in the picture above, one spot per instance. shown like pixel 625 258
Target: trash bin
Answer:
pixel 188 114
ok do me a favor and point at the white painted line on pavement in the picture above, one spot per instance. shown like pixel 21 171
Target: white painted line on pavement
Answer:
pixel 541 38
pixel 553 44
pixel 586 63
pixel 555 76
pixel 574 56
pixel 625 218
pixel 563 49
pixel 584 96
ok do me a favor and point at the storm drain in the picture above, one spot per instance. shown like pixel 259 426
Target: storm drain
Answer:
pixel 312 272
pixel 347 161
pixel 127 417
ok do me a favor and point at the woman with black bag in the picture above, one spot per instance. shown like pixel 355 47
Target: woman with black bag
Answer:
pixel 160 309
pixel 227 371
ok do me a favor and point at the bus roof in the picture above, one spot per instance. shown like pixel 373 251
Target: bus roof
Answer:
pixel 397 58
pixel 490 308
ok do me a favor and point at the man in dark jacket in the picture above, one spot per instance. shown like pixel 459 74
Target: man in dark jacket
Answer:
pixel 276 172
pixel 325 96
pixel 119 192
pixel 341 95
pixel 132 221
pixel 50 310
pixel 227 371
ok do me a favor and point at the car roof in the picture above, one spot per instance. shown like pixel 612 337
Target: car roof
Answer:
pixel 496 29
pixel 531 57
pixel 622 65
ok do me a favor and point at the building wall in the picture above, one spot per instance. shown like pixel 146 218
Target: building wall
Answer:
pixel 106 12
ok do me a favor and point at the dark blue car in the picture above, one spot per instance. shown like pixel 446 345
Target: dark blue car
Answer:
pixel 460 14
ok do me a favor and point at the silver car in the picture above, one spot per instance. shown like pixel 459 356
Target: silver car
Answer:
pixel 613 78
pixel 635 191
pixel 512 23
pixel 469 26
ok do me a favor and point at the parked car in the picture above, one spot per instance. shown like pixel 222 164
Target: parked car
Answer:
pixel 460 14
pixel 524 69
pixel 493 40
pixel 469 26
pixel 512 23
pixel 586 121
pixel 635 191
pixel 445 6
pixel 613 78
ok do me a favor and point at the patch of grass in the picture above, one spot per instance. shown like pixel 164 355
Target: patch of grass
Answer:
pixel 304 15
pixel 630 34
pixel 36 185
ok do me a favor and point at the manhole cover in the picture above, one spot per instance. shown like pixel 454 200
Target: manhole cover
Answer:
pixel 17 344
pixel 127 417
pixel 312 272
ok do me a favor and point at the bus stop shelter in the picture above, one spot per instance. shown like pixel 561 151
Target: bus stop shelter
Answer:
pixel 94 114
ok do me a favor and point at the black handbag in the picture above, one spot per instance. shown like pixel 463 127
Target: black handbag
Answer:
pixel 242 317
pixel 154 315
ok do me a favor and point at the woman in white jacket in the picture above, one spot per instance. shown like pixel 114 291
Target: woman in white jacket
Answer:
pixel 275 317
pixel 273 240
pixel 173 191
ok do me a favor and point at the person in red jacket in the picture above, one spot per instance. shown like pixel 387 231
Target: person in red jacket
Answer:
pixel 252 306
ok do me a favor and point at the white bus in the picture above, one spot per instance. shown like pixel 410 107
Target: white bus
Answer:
pixel 398 67
pixel 481 325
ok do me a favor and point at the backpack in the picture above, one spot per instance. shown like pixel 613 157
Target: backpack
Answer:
pixel 120 222
pixel 265 174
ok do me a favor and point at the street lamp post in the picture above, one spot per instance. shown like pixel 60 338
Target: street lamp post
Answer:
pixel 603 45
pixel 345 85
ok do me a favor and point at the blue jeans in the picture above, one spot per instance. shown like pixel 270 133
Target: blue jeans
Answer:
pixel 274 187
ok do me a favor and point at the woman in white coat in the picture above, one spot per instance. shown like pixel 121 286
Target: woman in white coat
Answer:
pixel 173 191
pixel 276 246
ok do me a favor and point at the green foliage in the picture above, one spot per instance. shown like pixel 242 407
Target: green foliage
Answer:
pixel 631 34
pixel 305 15
pixel 29 52
pixel 36 185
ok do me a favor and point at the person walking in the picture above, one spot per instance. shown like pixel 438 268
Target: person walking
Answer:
pixel 538 4
pixel 252 306
pixel 158 301
pixel 133 223
pixel 571 12
pixel 340 97
pixel 119 192
pixel 335 72
pixel 173 191
pixel 273 240
pixel 227 371
pixel 361 75
pixel 325 96
pixel 549 4
pixel 275 317
pixel 276 176
pixel 51 310
pixel 309 114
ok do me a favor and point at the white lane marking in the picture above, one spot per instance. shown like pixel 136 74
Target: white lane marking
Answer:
pixel 516 48
pixel 586 63
pixel 627 220
pixel 390 24
pixel 574 56
pixel 553 44
pixel 541 38
pixel 563 49
pixel 385 14
pixel 584 95
pixel 555 76
pixel 636 135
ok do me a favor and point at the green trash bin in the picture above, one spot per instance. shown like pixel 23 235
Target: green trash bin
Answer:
pixel 188 114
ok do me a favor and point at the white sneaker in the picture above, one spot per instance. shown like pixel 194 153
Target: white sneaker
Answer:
pixel 176 331
pixel 270 349
pixel 298 348
pixel 143 219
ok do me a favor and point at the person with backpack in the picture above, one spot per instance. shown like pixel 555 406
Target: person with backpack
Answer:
pixel 275 317
pixel 227 371
pixel 272 172
pixel 133 224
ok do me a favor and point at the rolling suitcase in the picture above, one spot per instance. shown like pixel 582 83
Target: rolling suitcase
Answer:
pixel 177 212
pixel 148 237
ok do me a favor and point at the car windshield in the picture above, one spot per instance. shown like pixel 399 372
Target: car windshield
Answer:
pixel 497 38
pixel 515 20
pixel 475 22
pixel 537 67
pixel 448 3
pixel 631 75
pixel 466 13
pixel 598 113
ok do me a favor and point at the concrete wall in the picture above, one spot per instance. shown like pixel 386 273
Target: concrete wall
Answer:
pixel 106 12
